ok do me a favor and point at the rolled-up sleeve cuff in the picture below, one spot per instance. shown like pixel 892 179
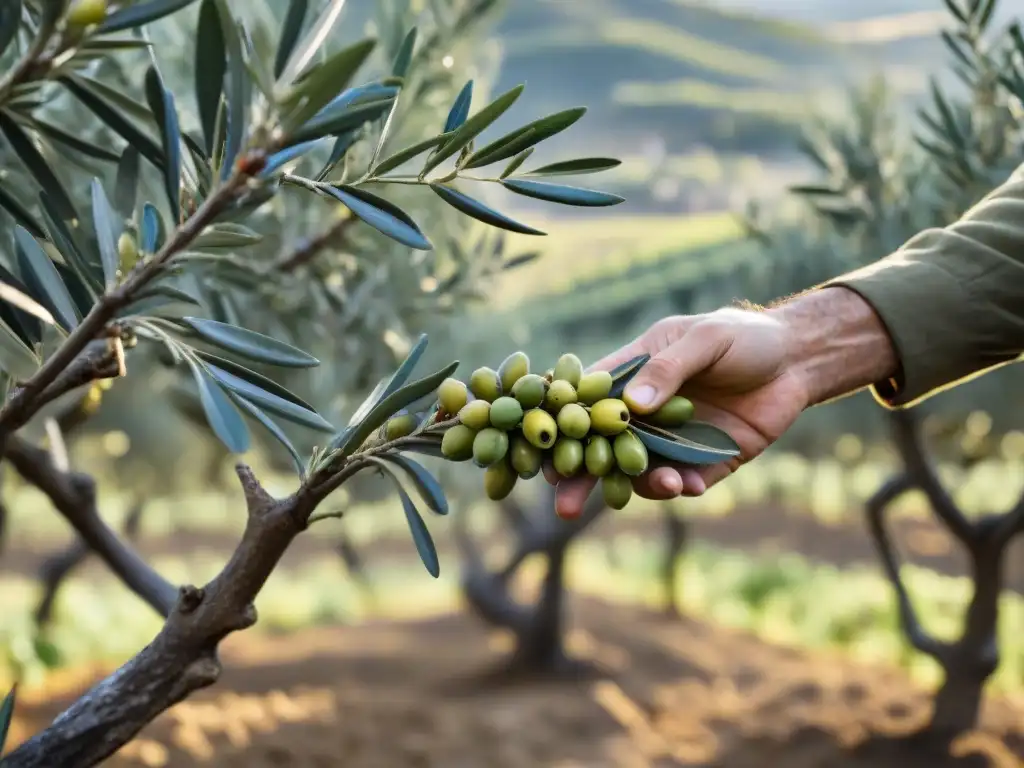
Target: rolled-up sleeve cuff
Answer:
pixel 906 294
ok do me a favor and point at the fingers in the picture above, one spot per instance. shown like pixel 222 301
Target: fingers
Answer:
pixel 571 494
pixel 666 371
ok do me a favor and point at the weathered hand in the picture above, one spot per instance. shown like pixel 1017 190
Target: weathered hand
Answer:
pixel 750 373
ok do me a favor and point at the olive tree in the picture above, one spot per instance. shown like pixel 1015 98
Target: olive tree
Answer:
pixel 144 260
pixel 878 188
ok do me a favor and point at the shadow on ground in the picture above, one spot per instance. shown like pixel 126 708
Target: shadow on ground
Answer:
pixel 672 693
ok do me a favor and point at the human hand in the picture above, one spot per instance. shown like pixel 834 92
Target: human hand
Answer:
pixel 734 365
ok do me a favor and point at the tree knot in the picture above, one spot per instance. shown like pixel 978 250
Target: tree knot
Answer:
pixel 190 598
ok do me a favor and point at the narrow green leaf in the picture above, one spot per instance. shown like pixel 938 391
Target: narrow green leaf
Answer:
pixel 270 401
pixel 384 216
pixel 256 379
pixel 237 89
pixel 403 156
pixel 43 280
pixel 7 706
pixel 521 259
pixel 516 162
pixel 460 109
pixel 80 291
pixel 141 14
pixel 481 212
pixel 19 213
pixel 576 167
pixel 126 183
pixel 36 164
pixel 108 229
pixel 529 135
pixel 223 418
pixel 10 22
pixel 26 327
pixel 426 484
pixel 62 239
pixel 16 358
pixel 153 234
pixel 371 400
pixel 25 303
pixel 354 435
pixel 954 8
pixel 61 136
pixel 420 535
pixel 560 193
pixel 407 366
pixel 324 83
pixel 312 42
pixel 677 449
pixel 157 297
pixel 249 344
pixel 472 128
pixel 290 31
pixel 211 64
pixel 404 56
pixel 275 431
pixel 336 122
pixel 226 235
pixel 113 117
pixel 624 373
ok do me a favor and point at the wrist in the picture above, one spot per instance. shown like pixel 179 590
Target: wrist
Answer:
pixel 836 343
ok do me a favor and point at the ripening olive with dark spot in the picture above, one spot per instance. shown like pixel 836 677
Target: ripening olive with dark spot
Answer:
pixel 457 443
pixel 594 386
pixel 489 446
pixel 452 396
pixel 539 428
pixel 499 480
pixel 530 390
pixel 573 421
pixel 484 384
pixel 506 413
pixel 568 456
pixel 674 413
pixel 609 416
pixel 616 489
pixel 630 454
pixel 400 426
pixel 598 456
pixel 568 368
pixel 514 367
pixel 476 415
pixel 560 394
pixel 526 458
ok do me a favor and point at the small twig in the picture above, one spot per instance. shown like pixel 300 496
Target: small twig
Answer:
pixel 312 246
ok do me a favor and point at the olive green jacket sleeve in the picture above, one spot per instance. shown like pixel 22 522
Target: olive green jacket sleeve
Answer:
pixel 952 299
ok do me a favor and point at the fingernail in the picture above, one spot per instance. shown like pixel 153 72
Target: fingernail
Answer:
pixel 642 395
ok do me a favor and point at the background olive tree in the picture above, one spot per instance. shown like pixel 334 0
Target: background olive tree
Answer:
pixel 880 184
pixel 180 251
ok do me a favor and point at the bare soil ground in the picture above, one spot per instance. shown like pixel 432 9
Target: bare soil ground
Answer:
pixel 670 693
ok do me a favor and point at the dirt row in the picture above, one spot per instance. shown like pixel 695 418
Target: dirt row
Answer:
pixel 669 693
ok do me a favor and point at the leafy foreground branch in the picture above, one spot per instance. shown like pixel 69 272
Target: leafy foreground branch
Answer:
pixel 183 656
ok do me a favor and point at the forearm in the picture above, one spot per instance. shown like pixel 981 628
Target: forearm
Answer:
pixel 837 343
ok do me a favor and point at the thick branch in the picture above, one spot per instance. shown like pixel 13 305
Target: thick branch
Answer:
pixel 56 568
pixel 876 508
pixel 183 656
pixel 97 361
pixel 909 442
pixel 74 496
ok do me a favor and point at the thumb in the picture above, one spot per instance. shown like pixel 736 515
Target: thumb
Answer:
pixel 662 376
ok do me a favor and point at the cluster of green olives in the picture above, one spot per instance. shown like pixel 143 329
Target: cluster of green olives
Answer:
pixel 511 421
